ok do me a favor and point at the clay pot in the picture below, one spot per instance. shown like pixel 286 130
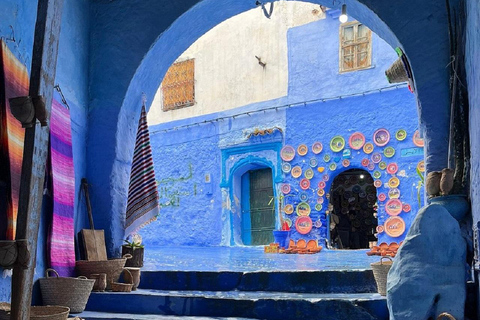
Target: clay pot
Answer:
pixel 132 277
pixel 446 182
pixel 100 281
pixel 8 253
pixel 432 184
pixel 23 110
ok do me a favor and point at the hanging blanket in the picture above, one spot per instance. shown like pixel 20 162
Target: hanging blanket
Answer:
pixel 62 247
pixel 13 83
pixel 142 206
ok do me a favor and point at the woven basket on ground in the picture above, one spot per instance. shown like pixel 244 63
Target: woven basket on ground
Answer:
pixel 123 287
pixel 49 313
pixel 113 268
pixel 380 272
pixel 69 292
pixel 397 73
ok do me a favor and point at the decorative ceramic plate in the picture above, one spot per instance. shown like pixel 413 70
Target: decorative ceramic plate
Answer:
pixel 365 162
pixel 394 226
pixel 379 229
pixel 326 157
pixel 337 144
pixel 304 184
pixel 393 207
pixel 288 221
pixel 392 168
pixel 377 183
pixel 288 209
pixel 371 166
pixel 320 192
pixel 303 196
pixel 303 225
pixel 303 209
pixel 320 200
pixel 318 207
pixel 417 140
pixel 332 166
pixel 394 193
pixel 309 173
pixel 377 174
pixel 401 135
pixel 321 169
pixel 286 188
pixel 302 150
pixel 376 157
pixel 389 152
pixel 356 141
pixel 393 182
pixel 381 137
pixel 421 166
pixel 296 172
pixel 368 148
pixel 313 162
pixel 345 162
pixel 382 196
pixel 382 165
pixel 286 167
pixel 347 153
pixel 321 184
pixel 317 147
pixel 356 189
pixel 406 207
pixel 287 153
pixel 325 177
pixel 318 223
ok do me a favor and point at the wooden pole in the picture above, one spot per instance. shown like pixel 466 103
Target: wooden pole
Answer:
pixel 42 77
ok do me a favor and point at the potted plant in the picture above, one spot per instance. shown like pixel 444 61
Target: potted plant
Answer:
pixel 136 249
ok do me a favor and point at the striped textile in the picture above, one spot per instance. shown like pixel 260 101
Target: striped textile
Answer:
pixel 14 82
pixel 143 204
pixel 62 247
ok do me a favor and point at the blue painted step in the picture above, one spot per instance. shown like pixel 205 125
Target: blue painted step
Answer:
pixel 88 315
pixel 357 281
pixel 245 304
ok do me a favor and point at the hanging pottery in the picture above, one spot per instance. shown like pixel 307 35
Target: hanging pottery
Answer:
pixel 287 153
pixel 317 147
pixel 286 167
pixel 365 162
pixel 377 183
pixel 313 162
pixel 296 172
pixel 406 207
pixel 288 209
pixel 392 168
pixel 303 209
pixel 394 193
pixel 304 184
pixel 393 182
pixel 303 225
pixel 368 148
pixel 381 137
pixel 321 184
pixel 401 135
pixel 377 174
pixel 382 165
pixel 308 173
pixel 394 226
pixel 320 192
pixel 337 144
pixel 421 166
pixel 376 157
pixel 356 141
pixel 345 162
pixel 303 196
pixel 321 169
pixel 286 188
pixel 389 152
pixel 326 157
pixel 417 140
pixel 393 207
pixel 382 197
pixel 332 166
pixel 302 150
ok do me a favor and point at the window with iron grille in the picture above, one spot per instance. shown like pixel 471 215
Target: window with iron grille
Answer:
pixel 178 86
pixel 355 47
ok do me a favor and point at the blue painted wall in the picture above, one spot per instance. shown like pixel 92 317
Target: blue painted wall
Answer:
pixel 72 71
pixel 192 215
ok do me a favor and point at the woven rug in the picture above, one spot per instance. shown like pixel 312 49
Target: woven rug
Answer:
pixel 14 82
pixel 142 205
pixel 62 246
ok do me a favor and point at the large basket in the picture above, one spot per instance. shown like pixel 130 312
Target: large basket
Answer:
pixel 113 268
pixel 123 287
pixel 69 292
pixel 397 73
pixel 380 272
pixel 49 313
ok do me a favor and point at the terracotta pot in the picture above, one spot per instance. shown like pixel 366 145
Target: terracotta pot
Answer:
pixel 432 184
pixel 8 253
pixel 23 110
pixel 446 182
pixel 132 277
pixel 100 281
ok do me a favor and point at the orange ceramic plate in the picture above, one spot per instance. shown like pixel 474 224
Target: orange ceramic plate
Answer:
pixel 394 226
pixel 368 148
pixel 288 209
pixel 302 150
pixel 393 207
pixel 417 140
pixel 303 225
pixel 393 182
pixel 296 171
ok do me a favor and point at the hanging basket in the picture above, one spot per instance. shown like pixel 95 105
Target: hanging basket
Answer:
pixel 380 272
pixel 37 313
pixel 8 253
pixel 69 292
pixel 397 73
pixel 113 268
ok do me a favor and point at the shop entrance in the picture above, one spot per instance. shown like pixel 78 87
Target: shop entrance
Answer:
pixel 258 214
pixel 353 219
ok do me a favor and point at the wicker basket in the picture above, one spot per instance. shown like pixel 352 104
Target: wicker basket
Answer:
pixel 113 268
pixel 123 287
pixel 445 315
pixel 380 272
pixel 397 73
pixel 49 313
pixel 69 292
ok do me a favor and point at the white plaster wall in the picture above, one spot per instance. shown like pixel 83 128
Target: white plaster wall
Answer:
pixel 227 74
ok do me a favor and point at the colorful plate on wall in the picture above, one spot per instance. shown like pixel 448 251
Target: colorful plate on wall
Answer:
pixel 394 226
pixel 303 209
pixel 376 157
pixel 377 183
pixel 377 174
pixel 394 193
pixel 321 184
pixel 337 144
pixel 368 148
pixel 287 153
pixel 286 188
pixel 303 225
pixel 393 182
pixel 371 166
pixel 302 150
pixel 303 196
pixel 382 196
pixel 380 229
pixel 389 152
pixel 356 141
pixel 318 207
pixel 421 166
pixel 317 147
pixel 345 162
pixel 406 207
pixel 320 200
pixel 417 140
pixel 288 209
pixel 332 166
pixel 296 171
pixel 393 207
pixel 288 221
pixel 318 223
pixel 382 165
pixel 401 135
pixel 313 162
pixel 392 168
pixel 320 192
pixel 365 162
pixel 326 157
pixel 286 167
pixel 381 137
pixel 309 173
pixel 325 177
pixel 304 184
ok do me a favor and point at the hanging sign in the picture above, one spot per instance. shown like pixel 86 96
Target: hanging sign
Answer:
pixel 411 152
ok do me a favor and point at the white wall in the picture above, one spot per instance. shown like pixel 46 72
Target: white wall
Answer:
pixel 227 74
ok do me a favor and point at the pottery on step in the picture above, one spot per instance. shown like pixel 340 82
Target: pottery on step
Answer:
pixel 100 281
pixel 432 184
pixel 132 277
pixel 446 182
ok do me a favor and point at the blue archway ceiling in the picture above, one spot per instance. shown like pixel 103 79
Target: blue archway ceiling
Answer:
pixel 127 59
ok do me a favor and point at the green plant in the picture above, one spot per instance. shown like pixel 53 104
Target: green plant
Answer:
pixel 134 245
pixel 420 184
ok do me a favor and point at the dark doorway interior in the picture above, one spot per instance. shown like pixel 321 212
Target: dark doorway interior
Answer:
pixel 353 220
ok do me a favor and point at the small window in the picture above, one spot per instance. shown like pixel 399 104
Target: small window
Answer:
pixel 355 47
pixel 178 86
